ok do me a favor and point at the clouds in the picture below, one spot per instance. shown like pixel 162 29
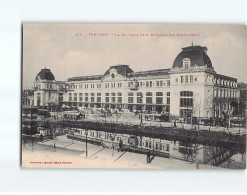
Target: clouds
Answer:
pixel 56 47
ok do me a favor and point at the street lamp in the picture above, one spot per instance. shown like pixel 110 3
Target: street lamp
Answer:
pixel 54 137
pixel 112 138
pixel 31 127
pixel 86 132
pixel 141 111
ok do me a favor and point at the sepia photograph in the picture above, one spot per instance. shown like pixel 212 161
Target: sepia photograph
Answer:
pixel 133 96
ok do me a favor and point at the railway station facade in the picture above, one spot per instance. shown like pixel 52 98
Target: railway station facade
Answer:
pixel 190 87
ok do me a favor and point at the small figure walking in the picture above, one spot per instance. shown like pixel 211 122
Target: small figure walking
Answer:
pixel 120 146
pixel 54 147
pixel 197 165
pixel 148 157
pixel 41 137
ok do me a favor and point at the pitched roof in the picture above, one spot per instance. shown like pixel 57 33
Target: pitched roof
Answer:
pixel 86 78
pixel 158 72
pixel 121 69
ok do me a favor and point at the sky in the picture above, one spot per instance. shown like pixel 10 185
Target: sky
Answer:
pixel 56 46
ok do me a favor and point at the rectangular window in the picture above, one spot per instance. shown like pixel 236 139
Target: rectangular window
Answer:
pixel 191 78
pixel 130 94
pixel 139 99
pixel 119 99
pixel 60 98
pixel 86 97
pixel 75 97
pixel 186 102
pixel 186 65
pixel 70 97
pixel 149 94
pixel 182 79
pixel 92 94
pixel 157 83
pixel 107 99
pixel 159 93
pixel 168 82
pixel 186 79
pixel 113 99
pixel 161 83
pixel 92 99
pixel 147 84
pixel 159 100
pixel 150 83
pixel 80 97
pixel 98 99
pixel 149 100
pixel 168 100
pixel 98 94
pixel 130 100
pixel 168 94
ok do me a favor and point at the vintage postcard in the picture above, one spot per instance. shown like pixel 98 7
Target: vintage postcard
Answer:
pixel 133 96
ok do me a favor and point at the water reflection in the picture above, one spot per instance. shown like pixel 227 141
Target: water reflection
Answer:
pixel 191 152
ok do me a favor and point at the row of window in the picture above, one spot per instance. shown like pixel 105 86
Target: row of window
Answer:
pixel 149 100
pixel 225 82
pixel 148 94
pixel 186 79
pixel 92 86
pixel 225 93
pixel 159 83
pixel 113 85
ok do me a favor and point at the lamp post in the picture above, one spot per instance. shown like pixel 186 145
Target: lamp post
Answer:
pixel 141 111
pixel 112 138
pixel 54 138
pixel 31 127
pixel 86 132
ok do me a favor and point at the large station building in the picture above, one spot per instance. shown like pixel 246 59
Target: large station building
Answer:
pixel 190 87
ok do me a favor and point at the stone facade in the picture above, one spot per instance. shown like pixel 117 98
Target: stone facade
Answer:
pixel 190 88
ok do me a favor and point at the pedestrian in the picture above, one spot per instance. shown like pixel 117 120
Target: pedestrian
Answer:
pixel 120 146
pixel 41 137
pixel 197 165
pixel 148 157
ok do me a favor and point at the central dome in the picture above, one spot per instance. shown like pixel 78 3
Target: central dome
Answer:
pixel 45 75
pixel 197 56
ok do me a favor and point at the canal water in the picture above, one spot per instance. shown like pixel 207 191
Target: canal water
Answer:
pixel 184 151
